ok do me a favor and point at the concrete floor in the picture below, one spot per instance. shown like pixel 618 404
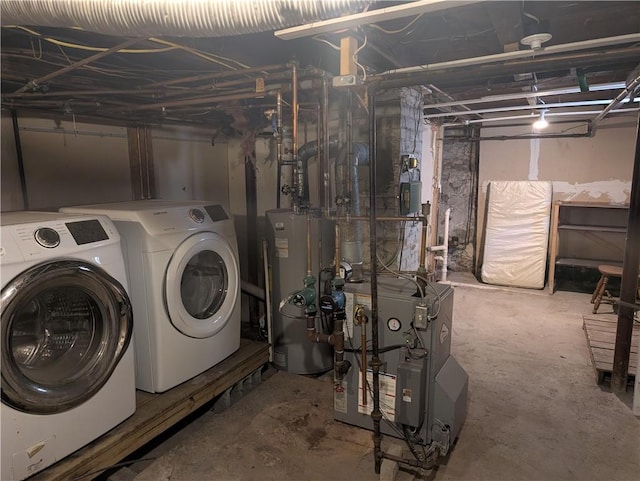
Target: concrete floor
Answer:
pixel 535 411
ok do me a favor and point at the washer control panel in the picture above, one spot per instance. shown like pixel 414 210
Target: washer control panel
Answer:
pixel 47 237
pixel 196 216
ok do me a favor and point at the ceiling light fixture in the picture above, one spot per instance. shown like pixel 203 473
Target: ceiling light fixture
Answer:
pixel 541 123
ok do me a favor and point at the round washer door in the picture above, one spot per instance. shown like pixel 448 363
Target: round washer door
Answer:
pixel 201 288
pixel 65 326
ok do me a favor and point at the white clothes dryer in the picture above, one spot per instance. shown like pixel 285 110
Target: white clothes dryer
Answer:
pixel 184 278
pixel 66 324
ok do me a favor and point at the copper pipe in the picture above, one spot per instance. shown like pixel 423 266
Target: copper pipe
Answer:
pixel 423 243
pixel 360 316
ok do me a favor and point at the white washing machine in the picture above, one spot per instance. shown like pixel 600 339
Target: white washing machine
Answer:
pixel 184 278
pixel 67 360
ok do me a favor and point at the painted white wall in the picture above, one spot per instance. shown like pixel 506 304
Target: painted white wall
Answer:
pixel 187 165
pixel 65 163
pixel 9 173
pixel 595 168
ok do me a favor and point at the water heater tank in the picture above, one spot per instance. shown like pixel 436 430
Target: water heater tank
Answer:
pixel 287 256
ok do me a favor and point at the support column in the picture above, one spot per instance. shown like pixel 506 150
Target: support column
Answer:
pixel 629 285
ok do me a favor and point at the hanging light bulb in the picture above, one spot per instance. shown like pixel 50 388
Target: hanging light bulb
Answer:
pixel 541 123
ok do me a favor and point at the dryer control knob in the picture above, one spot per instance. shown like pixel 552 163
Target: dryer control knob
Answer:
pixel 47 237
pixel 196 215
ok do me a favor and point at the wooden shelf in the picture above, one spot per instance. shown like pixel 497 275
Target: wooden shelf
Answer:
pixel 155 413
pixel 594 228
pixel 586 235
pixel 568 261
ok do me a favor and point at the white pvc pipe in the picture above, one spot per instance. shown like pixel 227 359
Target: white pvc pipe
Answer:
pixel 445 254
pixel 518 54
pixel 444 247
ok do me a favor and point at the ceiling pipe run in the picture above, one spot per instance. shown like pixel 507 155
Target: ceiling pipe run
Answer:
pixel 518 54
pixel 528 116
pixel 525 95
pixel 620 98
pixel 584 103
pixel 151 18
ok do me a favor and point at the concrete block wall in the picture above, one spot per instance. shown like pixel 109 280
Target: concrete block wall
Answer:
pixel 459 177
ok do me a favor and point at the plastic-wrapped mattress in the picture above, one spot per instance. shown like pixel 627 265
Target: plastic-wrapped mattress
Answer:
pixel 517 233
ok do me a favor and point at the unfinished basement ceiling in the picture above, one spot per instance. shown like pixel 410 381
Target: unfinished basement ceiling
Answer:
pixel 208 79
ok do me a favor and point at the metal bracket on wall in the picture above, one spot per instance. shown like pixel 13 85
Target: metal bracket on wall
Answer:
pixel 141 162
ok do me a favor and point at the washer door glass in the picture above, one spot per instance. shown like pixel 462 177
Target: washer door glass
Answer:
pixel 65 326
pixel 202 285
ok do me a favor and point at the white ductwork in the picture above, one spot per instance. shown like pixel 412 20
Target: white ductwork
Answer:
pixel 153 18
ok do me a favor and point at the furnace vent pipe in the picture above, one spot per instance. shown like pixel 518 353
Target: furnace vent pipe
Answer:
pixel 352 238
pixel 186 18
pixel 306 152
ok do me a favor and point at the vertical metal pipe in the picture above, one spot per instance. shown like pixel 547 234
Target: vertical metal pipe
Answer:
pixel 629 285
pixel 349 148
pixel 376 414
pixel 324 172
pixel 279 145
pixel 20 158
pixel 320 141
pixel 337 240
pixel 251 197
pixel 309 256
pixel 294 132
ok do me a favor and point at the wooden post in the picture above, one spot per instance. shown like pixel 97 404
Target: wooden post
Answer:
pixel 141 162
pixel 629 285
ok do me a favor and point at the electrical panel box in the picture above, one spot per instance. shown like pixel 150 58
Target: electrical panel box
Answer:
pixel 410 197
pixel 412 377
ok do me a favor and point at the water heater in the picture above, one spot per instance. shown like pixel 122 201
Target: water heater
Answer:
pixel 287 257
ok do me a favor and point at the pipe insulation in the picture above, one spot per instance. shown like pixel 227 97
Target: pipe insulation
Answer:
pixel 151 18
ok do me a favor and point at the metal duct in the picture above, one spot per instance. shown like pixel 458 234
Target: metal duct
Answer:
pixel 351 240
pixel 150 18
pixel 307 151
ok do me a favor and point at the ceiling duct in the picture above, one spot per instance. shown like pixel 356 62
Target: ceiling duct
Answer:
pixel 153 18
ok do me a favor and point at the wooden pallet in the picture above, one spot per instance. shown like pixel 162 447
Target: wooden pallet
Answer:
pixel 601 339
pixel 156 413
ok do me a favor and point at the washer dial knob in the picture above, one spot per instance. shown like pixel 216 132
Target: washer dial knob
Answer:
pixel 196 215
pixel 47 237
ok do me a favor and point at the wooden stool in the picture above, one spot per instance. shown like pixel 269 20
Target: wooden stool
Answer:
pixel 601 289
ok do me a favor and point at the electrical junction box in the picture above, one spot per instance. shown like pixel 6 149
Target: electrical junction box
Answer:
pixel 410 197
pixel 344 81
